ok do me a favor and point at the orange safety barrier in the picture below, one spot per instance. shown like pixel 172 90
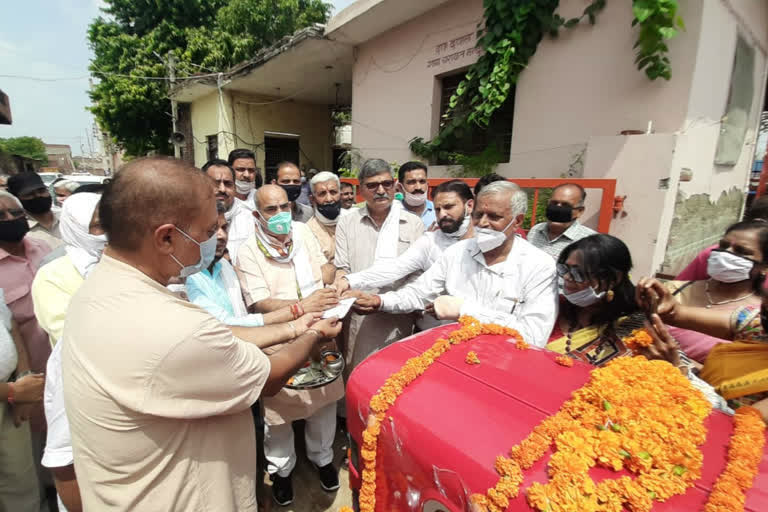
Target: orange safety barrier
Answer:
pixel 607 186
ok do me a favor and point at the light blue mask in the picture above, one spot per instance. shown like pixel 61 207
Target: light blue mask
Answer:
pixel 280 224
pixel 207 254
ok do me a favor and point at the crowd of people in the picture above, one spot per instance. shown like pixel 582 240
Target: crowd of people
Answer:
pixel 149 325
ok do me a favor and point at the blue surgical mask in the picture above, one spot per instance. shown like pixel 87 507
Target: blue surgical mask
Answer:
pixel 207 254
pixel 280 224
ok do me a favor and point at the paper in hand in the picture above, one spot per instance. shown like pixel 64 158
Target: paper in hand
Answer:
pixel 341 310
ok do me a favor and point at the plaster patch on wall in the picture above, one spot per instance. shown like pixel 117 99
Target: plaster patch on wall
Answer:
pixel 698 223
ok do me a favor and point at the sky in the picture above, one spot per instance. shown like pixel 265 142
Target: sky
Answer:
pixel 47 39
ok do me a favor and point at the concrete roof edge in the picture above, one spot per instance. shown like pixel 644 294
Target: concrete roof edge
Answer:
pixel 316 31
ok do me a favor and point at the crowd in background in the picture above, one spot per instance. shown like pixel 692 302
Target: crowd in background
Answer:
pixel 149 325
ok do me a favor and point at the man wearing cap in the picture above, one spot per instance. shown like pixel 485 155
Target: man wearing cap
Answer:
pixel 29 188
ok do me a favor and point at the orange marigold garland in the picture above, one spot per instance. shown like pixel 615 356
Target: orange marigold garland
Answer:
pixel 745 451
pixel 653 430
pixel 564 361
pixel 639 338
pixel 472 358
pixel 394 386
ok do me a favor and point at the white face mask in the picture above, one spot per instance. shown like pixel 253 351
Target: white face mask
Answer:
pixel 489 239
pixel 244 187
pixel 207 255
pixel 462 228
pixel 727 267
pixel 584 298
pixel 415 199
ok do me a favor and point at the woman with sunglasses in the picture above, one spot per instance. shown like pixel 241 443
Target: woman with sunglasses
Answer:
pixel 599 309
pixel 734 267
pixel 598 305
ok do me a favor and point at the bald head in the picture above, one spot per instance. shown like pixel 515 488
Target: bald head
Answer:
pixel 271 199
pixel 150 192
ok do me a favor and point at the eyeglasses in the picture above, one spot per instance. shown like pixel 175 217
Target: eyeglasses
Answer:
pixel 374 186
pixel 577 275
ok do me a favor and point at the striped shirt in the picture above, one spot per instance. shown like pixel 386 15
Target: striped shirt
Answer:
pixel 539 237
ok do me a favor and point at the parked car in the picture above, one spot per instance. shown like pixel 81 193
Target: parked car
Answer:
pixel 440 439
pixel 49 177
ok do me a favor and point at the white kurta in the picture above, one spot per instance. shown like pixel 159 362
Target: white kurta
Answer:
pixel 426 250
pixel 241 227
pixel 520 292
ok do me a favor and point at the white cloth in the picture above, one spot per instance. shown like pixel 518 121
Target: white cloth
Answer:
pixel 83 248
pixel 298 255
pixel 520 292
pixel 250 201
pixel 58 445
pixel 418 258
pixel 232 284
pixel 8 356
pixel 386 245
pixel 241 226
pixel 319 432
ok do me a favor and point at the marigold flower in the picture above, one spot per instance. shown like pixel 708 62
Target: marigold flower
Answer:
pixel 564 361
pixel 472 358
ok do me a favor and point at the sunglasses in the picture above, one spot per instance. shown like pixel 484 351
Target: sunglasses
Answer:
pixel 577 275
pixel 374 186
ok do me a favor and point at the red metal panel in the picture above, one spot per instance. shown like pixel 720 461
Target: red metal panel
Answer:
pixel 607 186
pixel 454 420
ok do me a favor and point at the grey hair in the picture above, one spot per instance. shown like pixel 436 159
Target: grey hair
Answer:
pixel 220 208
pixel 518 200
pixel 322 177
pixel 373 167
pixel 67 184
pixel 8 195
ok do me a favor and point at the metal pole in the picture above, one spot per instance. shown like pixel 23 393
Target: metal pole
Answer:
pixel 174 106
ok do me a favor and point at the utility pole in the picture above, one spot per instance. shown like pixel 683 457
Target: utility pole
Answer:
pixel 174 106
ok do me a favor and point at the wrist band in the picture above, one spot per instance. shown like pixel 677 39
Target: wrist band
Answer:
pixel 11 398
pixel 23 374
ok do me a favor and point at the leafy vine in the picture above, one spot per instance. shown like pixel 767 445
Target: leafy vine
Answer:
pixel 510 36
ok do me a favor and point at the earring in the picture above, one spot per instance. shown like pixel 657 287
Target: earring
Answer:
pixel 609 296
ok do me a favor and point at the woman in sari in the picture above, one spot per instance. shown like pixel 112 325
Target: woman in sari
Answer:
pixel 734 266
pixel 600 310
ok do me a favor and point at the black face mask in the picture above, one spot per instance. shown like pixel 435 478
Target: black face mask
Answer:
pixel 557 213
pixel 330 210
pixel 13 230
pixel 293 191
pixel 37 205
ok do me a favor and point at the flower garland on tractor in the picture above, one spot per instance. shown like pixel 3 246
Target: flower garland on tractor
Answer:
pixel 633 414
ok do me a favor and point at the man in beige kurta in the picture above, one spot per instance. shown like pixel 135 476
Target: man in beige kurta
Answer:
pixel 269 279
pixel 157 391
pixel 357 246
pixel 326 200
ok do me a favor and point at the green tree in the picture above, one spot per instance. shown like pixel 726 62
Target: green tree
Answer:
pixel 30 147
pixel 135 35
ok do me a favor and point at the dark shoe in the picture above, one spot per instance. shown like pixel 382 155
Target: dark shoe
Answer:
pixel 329 477
pixel 282 490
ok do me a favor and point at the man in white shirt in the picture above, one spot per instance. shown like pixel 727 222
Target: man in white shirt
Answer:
pixel 494 277
pixel 239 216
pixel 247 175
pixel 562 227
pixel 289 178
pixel 453 208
